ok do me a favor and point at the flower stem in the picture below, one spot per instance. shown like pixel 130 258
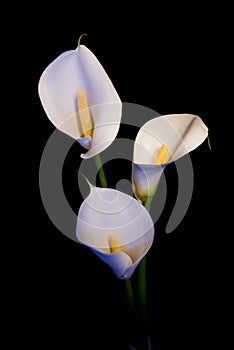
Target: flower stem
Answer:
pixel 129 290
pixel 209 145
pixel 142 277
pixel 148 203
pixel 101 173
pixel 142 289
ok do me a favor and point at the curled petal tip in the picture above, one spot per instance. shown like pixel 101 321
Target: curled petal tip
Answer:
pixel 86 179
pixel 78 44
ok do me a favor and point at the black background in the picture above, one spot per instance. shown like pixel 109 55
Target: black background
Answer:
pixel 169 61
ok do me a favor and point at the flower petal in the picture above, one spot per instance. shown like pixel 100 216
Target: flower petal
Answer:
pixel 145 178
pixel 58 86
pixel 107 211
pixel 181 133
pixel 85 141
pixel 106 126
pixel 119 262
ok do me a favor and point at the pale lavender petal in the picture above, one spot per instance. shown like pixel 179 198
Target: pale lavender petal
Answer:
pixel 106 212
pixel 58 86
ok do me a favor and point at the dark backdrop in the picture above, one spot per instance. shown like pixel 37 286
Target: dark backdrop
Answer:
pixel 161 60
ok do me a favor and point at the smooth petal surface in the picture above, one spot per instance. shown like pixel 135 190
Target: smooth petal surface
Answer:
pixel 145 178
pixel 58 86
pixel 180 132
pixel 107 211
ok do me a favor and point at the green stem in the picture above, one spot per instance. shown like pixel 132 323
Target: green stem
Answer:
pixel 142 288
pixel 142 275
pixel 101 173
pixel 149 199
pixel 129 290
pixel 209 145
pixel 148 203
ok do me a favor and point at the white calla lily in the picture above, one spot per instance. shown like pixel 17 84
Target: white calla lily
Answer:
pixel 160 141
pixel 80 100
pixel 116 227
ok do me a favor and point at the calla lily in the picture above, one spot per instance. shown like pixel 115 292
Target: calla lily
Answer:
pixel 80 100
pixel 116 227
pixel 160 141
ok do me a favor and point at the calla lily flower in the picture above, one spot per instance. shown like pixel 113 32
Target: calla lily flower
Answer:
pixel 159 142
pixel 116 227
pixel 80 100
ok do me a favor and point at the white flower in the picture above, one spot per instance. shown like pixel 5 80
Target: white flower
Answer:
pixel 80 100
pixel 116 227
pixel 160 141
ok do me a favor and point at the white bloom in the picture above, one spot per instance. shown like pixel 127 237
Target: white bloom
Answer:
pixel 80 100
pixel 116 227
pixel 160 141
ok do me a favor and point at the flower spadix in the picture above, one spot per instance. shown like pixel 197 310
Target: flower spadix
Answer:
pixel 116 227
pixel 80 100
pixel 160 141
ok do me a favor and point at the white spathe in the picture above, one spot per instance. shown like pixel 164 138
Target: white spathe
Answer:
pixel 107 212
pixel 181 133
pixel 58 86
